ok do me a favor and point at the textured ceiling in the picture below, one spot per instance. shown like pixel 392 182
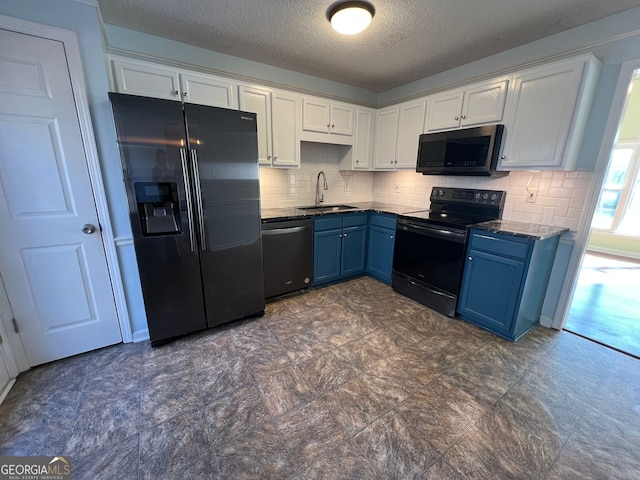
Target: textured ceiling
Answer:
pixel 407 40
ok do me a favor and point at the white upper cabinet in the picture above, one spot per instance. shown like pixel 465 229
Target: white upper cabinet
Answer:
pixel 477 104
pixel 151 80
pixel 361 155
pixel 208 90
pixel 546 113
pixel 385 139
pixel 145 79
pixel 410 126
pixel 277 116
pixel 397 135
pixel 328 122
pixel 285 124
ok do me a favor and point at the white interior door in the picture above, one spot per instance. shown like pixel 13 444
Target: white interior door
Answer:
pixel 4 373
pixel 55 275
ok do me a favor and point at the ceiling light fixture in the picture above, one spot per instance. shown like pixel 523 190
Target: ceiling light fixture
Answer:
pixel 350 18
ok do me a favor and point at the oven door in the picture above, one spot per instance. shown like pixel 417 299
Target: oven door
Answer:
pixel 427 263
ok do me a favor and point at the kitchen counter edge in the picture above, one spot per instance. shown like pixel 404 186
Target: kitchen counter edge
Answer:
pixel 520 229
pixel 291 213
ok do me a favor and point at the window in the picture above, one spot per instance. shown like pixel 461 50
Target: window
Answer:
pixel 618 209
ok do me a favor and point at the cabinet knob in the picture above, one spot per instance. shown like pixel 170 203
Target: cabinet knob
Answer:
pixel 391 237
pixel 391 162
pixel 268 157
pixel 470 258
pixel 186 94
pixel 328 125
pixel 357 161
pixel 464 116
pixel 176 92
pixel 395 161
pixel 332 125
pixel 344 234
pixel 504 156
pixel 275 158
pixel 456 118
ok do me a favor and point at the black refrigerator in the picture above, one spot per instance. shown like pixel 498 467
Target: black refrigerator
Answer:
pixel 192 181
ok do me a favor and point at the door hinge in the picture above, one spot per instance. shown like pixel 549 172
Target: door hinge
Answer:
pixel 15 325
pixel 1 340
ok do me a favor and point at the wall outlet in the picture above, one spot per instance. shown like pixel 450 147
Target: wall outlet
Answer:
pixel 532 195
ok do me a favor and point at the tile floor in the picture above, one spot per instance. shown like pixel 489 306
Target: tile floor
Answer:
pixel 350 381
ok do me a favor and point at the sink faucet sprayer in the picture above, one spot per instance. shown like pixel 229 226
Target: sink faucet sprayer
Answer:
pixel 325 186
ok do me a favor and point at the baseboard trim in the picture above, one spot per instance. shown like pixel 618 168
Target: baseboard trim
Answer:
pixel 546 321
pixel 140 335
pixel 6 390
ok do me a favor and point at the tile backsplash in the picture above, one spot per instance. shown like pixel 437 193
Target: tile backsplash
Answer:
pixel 560 196
pixel 297 187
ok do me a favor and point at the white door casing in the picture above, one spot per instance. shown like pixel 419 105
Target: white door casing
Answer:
pixel 56 277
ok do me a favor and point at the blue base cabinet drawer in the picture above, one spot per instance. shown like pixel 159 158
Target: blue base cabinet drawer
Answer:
pixel 504 282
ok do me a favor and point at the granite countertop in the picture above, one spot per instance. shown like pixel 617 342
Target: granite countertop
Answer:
pixel 521 229
pixel 290 213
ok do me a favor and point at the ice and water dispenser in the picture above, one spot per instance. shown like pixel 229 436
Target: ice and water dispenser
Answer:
pixel 158 208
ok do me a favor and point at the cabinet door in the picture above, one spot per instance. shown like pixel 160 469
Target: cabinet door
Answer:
pixel 145 79
pixel 386 136
pixel 363 142
pixel 316 115
pixel 410 126
pixel 490 290
pixel 380 253
pixel 354 247
pixel 539 115
pixel 208 90
pixel 341 120
pixel 484 103
pixel 258 101
pixel 284 125
pixel 326 256
pixel 444 111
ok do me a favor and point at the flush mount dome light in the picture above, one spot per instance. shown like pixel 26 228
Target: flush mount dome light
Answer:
pixel 350 18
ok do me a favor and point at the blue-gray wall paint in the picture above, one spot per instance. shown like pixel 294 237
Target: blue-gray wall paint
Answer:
pixel 83 20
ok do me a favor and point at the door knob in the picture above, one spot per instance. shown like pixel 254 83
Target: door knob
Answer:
pixel 88 228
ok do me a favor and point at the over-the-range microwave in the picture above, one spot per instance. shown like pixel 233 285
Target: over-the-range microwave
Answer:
pixel 469 151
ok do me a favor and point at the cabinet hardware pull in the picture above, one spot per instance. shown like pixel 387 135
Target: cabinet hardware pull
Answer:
pixel 332 125
pixel 456 118
pixel 464 116
pixel 176 92
pixel 470 258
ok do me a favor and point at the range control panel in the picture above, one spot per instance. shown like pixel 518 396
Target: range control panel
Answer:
pixel 467 196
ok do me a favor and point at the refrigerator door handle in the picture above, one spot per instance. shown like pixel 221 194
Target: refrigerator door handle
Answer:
pixel 196 181
pixel 187 190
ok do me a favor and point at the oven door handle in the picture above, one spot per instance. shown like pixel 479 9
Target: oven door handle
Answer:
pixel 428 230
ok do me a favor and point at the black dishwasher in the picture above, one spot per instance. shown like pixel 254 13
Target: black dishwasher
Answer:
pixel 287 255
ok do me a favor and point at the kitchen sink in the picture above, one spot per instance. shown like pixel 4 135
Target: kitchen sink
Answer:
pixel 327 208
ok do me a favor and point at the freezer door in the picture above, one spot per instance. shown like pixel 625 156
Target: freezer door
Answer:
pixel 224 157
pixel 153 149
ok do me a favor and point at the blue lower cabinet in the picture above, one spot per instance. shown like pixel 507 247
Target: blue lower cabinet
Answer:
pixel 354 247
pixel 380 252
pixel 505 281
pixel 339 250
pixel 327 256
pixel 490 290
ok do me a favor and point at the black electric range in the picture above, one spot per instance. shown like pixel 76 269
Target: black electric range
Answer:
pixel 430 245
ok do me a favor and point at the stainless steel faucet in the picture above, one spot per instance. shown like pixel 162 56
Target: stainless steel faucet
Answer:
pixel 325 186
